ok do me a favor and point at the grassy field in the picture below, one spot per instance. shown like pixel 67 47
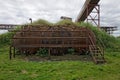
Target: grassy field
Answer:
pixel 19 69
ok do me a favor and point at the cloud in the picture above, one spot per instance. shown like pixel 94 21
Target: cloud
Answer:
pixel 110 12
pixel 19 11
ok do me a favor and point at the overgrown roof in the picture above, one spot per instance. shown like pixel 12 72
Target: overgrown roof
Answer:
pixel 108 40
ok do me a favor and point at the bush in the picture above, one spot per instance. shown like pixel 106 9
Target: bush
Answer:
pixel 118 37
pixel 6 38
pixel 71 51
pixel 42 52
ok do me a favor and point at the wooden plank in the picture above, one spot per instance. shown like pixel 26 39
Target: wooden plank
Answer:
pixel 14 52
pixel 10 53
pixel 82 30
pixel 48 45
pixel 49 37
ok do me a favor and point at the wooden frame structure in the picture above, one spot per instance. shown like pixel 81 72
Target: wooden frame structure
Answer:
pixel 57 39
pixel 31 37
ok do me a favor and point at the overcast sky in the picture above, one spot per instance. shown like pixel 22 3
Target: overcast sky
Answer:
pixel 19 11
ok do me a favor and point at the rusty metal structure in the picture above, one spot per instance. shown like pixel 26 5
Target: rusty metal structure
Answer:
pixel 8 26
pixel 57 39
pixel 90 12
pixel 109 29
pixel 65 18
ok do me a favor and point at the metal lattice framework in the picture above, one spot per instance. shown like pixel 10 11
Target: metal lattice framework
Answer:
pixel 109 29
pixel 8 26
pixel 90 12
pixel 94 16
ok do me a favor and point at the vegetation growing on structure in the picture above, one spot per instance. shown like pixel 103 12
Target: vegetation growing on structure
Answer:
pixel 101 36
pixel 71 51
pixel 109 41
pixel 41 22
pixel 42 52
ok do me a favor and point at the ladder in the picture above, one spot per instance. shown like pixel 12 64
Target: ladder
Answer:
pixel 97 54
pixel 96 51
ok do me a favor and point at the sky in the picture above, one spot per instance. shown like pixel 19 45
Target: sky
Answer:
pixel 19 11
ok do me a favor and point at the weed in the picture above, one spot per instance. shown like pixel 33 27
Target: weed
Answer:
pixel 71 51
pixel 42 52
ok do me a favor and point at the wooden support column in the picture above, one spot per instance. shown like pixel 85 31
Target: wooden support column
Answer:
pixel 14 52
pixel 63 50
pixel 49 55
pixel 10 53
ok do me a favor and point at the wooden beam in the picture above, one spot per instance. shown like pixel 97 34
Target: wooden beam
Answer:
pixel 49 45
pixel 49 37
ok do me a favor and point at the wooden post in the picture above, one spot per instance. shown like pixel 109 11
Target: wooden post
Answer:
pixel 49 56
pixel 10 53
pixel 14 52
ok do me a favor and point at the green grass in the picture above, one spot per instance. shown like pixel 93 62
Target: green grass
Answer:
pixel 19 69
pixel 42 22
